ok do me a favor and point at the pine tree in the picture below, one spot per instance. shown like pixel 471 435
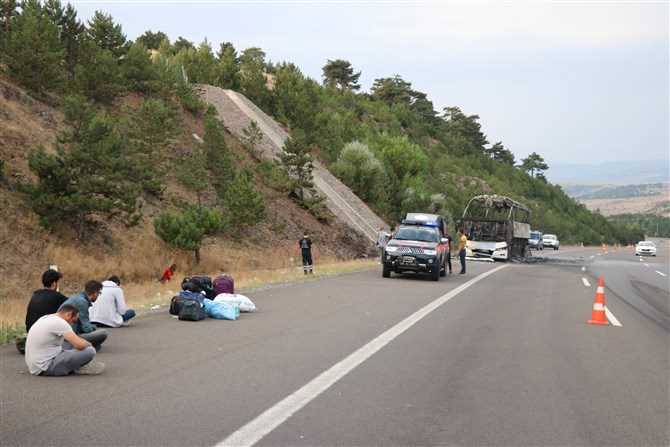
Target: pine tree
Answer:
pixel 138 70
pixel 187 230
pixel 106 34
pixel 192 172
pixel 534 164
pixel 339 73
pixel 152 40
pixel 245 205
pixel 252 77
pixel 297 160
pixel 98 74
pixel 228 69
pixel 7 13
pixel 219 159
pixel 71 35
pixel 251 137
pixel 36 65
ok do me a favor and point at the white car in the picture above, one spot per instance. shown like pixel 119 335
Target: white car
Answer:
pixel 645 248
pixel 550 241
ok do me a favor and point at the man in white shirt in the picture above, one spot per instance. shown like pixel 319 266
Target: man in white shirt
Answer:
pixel 110 309
pixel 53 349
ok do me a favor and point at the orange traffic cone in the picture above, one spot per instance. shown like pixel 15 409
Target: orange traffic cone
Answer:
pixel 598 313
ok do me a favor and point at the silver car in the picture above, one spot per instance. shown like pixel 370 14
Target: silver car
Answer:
pixel 550 241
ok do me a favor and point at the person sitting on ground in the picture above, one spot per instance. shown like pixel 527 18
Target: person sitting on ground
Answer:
pixel 110 308
pixel 168 273
pixel 43 302
pixel 53 349
pixel 83 327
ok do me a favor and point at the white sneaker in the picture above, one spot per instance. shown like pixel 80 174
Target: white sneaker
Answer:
pixel 92 368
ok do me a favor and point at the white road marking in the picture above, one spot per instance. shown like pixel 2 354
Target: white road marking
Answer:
pixel 258 428
pixel 592 256
pixel 661 273
pixel 586 282
pixel 646 265
pixel 613 320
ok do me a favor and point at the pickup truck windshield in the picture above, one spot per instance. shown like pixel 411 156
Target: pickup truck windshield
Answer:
pixel 535 236
pixel 417 234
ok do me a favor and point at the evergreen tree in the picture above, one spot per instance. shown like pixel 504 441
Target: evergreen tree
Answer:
pixel 498 152
pixel 359 169
pixel 245 205
pixel 296 98
pixel 251 137
pixel 534 164
pixel 7 13
pixel 98 74
pixel 152 40
pixel 187 230
pixel 252 78
pixel 466 127
pixel 138 70
pixel 339 73
pixel 72 32
pixel 228 69
pixel 192 172
pixel 219 159
pixel 91 175
pixel 36 65
pixel 106 34
pixel 393 90
pixel 297 160
pixel 154 126
pixel 182 44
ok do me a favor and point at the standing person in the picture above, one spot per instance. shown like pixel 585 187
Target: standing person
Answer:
pixel 53 349
pixel 43 302
pixel 450 240
pixel 110 309
pixel 382 239
pixel 82 326
pixel 168 273
pixel 462 242
pixel 305 245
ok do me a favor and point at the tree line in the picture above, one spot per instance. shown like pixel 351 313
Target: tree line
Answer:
pixel 389 145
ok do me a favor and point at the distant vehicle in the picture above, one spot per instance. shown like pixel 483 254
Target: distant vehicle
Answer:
pixel 647 248
pixel 497 228
pixel 418 246
pixel 535 240
pixel 551 241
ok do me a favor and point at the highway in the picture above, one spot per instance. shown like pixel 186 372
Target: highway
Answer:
pixel 500 356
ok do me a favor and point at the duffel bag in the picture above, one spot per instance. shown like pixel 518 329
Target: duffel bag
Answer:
pixel 192 311
pixel 177 303
pixel 199 297
pixel 223 284
pixel 204 282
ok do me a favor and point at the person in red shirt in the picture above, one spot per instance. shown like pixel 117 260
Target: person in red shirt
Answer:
pixel 169 273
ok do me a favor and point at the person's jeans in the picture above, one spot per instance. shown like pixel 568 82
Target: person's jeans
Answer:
pixel 69 361
pixel 449 261
pixel 96 338
pixel 130 313
pixel 461 255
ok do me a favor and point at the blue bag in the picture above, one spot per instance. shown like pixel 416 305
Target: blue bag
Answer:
pixel 199 297
pixel 221 310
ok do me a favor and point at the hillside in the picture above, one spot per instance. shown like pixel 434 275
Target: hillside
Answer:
pixel 135 252
pixel 651 198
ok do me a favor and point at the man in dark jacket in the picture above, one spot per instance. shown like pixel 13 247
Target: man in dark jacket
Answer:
pixel 83 326
pixel 44 301
pixel 306 250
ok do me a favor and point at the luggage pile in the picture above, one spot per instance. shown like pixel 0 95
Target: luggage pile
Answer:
pixel 202 297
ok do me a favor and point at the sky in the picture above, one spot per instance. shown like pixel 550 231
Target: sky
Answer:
pixel 576 81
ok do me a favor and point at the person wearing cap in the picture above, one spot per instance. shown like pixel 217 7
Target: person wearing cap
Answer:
pixel 110 309
pixel 43 302
pixel 305 245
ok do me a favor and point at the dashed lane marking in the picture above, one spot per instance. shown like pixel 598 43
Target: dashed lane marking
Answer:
pixel 612 319
pixel 661 273
pixel 276 415
pixel 586 282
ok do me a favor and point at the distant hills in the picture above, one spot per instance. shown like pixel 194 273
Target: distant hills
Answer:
pixel 586 192
pixel 610 173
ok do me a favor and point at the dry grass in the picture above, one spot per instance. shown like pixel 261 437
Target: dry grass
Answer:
pixel 281 267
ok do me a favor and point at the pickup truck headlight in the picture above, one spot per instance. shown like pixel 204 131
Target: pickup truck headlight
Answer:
pixel 430 252
pixel 391 249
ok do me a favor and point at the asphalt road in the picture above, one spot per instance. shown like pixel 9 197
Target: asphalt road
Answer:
pixel 508 360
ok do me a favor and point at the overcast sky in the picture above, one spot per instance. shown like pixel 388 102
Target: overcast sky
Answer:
pixel 575 81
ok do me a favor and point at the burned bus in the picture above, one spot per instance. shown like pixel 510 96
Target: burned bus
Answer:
pixel 497 228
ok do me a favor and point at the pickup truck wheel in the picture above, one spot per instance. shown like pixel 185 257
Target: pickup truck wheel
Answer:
pixel 435 273
pixel 386 272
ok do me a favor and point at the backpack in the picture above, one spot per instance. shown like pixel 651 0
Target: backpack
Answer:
pixel 203 282
pixel 223 284
pixel 177 303
pixel 192 311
